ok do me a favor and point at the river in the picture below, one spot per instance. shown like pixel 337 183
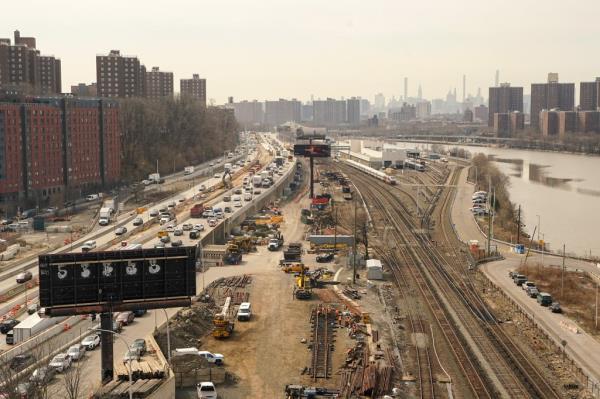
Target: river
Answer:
pixel 563 189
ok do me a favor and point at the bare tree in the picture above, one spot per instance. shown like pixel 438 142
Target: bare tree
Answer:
pixel 73 378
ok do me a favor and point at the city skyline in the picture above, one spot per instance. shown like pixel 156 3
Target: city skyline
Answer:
pixel 438 52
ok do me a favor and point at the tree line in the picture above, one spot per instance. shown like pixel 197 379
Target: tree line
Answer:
pixel 176 132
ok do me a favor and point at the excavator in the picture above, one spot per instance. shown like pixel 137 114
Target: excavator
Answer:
pixel 223 326
pixel 302 288
pixel 244 243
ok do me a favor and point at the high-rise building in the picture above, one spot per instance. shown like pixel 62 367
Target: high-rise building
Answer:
pixel 353 111
pixel 84 90
pixel 468 115
pixel 405 89
pixel 589 95
pixel 329 112
pixel 403 114
pixel 282 111
pixel 480 113
pixel 549 122
pixel 249 113
pixel 120 76
pixel 365 108
pixel 306 112
pixel 195 88
pixel 423 109
pixel 551 95
pixel 588 121
pixel 379 101
pixel 504 99
pixel 23 68
pixel 159 84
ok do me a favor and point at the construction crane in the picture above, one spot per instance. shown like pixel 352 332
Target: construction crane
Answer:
pixel 222 321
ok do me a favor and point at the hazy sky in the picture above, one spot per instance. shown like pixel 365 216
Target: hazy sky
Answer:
pixel 266 49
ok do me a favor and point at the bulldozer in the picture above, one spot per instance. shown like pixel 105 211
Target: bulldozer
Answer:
pixel 233 254
pixel 244 243
pixel 223 326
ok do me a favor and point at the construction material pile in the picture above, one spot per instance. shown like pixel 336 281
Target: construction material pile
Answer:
pixel 362 376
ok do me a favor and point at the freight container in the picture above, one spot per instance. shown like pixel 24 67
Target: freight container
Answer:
pixel 33 325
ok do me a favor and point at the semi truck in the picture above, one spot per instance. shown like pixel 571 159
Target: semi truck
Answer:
pixel 197 210
pixel 33 325
pixel 188 170
pixel 257 180
pixel 105 214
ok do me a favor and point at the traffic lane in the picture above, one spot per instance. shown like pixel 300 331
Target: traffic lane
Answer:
pixel 582 346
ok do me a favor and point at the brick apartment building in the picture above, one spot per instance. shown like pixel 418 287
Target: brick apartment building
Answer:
pixel 551 95
pixel 22 68
pixel 52 148
pixel 589 95
pixel 194 88
pixel 159 84
pixel 504 99
pixel 120 76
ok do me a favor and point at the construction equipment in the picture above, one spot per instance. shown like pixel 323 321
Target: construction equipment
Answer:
pixel 244 243
pixel 293 267
pixel 292 253
pixel 302 288
pixel 226 179
pixel 233 255
pixel 222 321
pixel 276 242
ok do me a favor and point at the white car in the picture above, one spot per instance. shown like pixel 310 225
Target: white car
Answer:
pixel 198 227
pixel 153 213
pixel 91 342
pixel 170 228
pixel 217 176
pixel 76 352
pixel 206 390
pixel 202 188
pixel 187 226
pixel 237 204
pixel 60 362
pixel 165 219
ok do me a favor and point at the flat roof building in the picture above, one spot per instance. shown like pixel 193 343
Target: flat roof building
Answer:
pixel 159 84
pixel 194 88
pixel 120 76
pixel 504 99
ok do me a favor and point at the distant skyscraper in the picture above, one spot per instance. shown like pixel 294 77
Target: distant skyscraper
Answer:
pixel 353 111
pixel 405 88
pixel 497 81
pixel 589 95
pixel 379 101
pixel 549 96
pixel 282 111
pixel 329 112
pixel 504 99
pixel 464 88
pixel 420 94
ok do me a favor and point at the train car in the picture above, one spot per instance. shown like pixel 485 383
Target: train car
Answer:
pixel 414 164
pixel 371 172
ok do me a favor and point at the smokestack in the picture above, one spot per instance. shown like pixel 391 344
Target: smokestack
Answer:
pixel 464 88
pixel 405 88
pixel 497 78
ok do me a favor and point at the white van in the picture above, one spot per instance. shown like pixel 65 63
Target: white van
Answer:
pixel 244 312
pixel 248 197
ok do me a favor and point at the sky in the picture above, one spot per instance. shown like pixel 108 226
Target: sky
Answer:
pixel 269 49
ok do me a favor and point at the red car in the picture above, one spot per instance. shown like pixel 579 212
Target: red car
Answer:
pixel 125 318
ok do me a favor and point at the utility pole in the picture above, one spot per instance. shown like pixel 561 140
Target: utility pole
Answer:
pixel 354 245
pixel 519 224
pixel 596 318
pixel 335 221
pixel 562 275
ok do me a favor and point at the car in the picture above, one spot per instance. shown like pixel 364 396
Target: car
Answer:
pixel 21 362
pixel 198 227
pixel 32 308
pixel 212 222
pixel 121 230
pixel 257 191
pixel 165 219
pixel 217 176
pixel 91 342
pixel 76 352
pixel 237 204
pixel 324 258
pixel 171 204
pixel 180 199
pixel 88 245
pixel 527 284
pixel 131 355
pixel 139 312
pixel 206 390
pixel 178 232
pixel 219 215
pixel 153 213
pixel 187 226
pixel 533 292
pixel 202 188
pixel 138 222
pixel 176 243
pixel 555 307
pixel 8 325
pixel 42 375
pixel 139 345
pixel 238 191
pixel 24 277
pixel 194 235
pixel 202 196
pixel 60 362
pixel 227 209
pixel 159 244
pixel 170 228
pixel 125 318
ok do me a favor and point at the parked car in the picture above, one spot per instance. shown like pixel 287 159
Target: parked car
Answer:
pixel 21 362
pixel 24 277
pixel 121 230
pixel 42 375
pixel 8 325
pixel 139 345
pixel 138 222
pixel 60 362
pixel 159 244
pixel 139 312
pixel 153 213
pixel 555 307
pixel 131 355
pixel 176 243
pixel 178 232
pixel 527 284
pixel 206 390
pixel 533 292
pixel 125 318
pixel 76 352
pixel 544 299
pixel 91 342
pixel 324 258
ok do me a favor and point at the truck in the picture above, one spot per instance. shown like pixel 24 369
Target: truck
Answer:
pixel 292 253
pixel 105 214
pixel 197 210
pixel 279 161
pixel 154 178
pixel 188 170
pixel 33 325
pixel 110 204
pixel 257 180
pixel 275 243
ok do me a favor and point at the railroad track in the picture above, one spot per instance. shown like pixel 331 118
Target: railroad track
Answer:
pixel 323 321
pixel 434 276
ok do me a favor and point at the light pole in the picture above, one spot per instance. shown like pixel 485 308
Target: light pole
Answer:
pixel 168 338
pixel 128 360
pixel 538 218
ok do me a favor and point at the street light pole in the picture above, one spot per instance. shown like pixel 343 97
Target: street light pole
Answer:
pixel 128 360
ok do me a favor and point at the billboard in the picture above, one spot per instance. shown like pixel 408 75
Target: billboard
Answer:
pixel 95 282
pixel 312 150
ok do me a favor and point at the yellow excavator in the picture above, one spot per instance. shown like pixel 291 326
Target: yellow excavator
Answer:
pixel 223 326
